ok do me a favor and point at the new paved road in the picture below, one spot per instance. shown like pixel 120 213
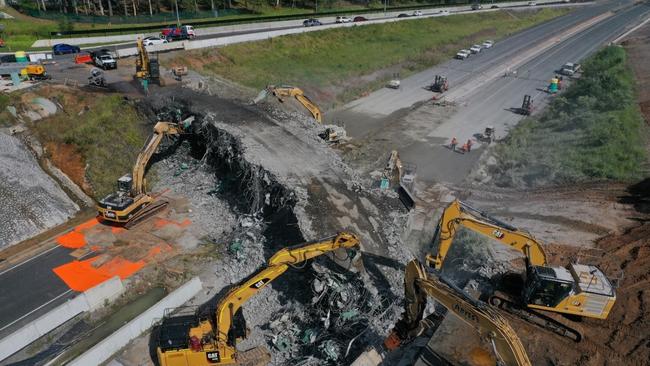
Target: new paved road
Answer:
pixel 27 287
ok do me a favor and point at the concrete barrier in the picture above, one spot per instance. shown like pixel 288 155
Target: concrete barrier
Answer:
pixel 92 299
pixel 103 350
pixel 89 40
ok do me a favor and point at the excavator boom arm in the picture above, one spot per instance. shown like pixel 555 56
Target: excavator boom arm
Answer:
pixel 277 265
pixel 160 130
pixel 461 214
pixel 418 285
pixel 292 91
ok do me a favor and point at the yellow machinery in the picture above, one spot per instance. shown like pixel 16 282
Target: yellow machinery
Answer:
pixel 131 203
pixel 418 285
pixel 195 341
pixel 145 67
pixel 292 91
pixel 581 290
pixel 35 72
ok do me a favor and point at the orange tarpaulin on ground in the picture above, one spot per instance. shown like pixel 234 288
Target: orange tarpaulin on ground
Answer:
pixel 82 275
pixel 72 240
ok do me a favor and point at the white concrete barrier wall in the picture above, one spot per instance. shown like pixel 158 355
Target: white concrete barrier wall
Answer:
pixel 257 25
pixel 89 300
pixel 103 350
pixel 103 293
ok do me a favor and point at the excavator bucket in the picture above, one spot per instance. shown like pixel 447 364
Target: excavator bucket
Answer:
pixel 261 96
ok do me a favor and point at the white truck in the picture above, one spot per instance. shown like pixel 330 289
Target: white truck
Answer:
pixel 570 69
pixel 104 60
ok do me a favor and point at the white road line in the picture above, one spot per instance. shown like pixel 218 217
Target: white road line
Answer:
pixel 31 312
pixel 30 259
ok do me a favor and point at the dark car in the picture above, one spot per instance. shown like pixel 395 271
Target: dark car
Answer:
pixel 62 49
pixel 311 22
pixel 359 19
pixel 494 7
pixel 403 15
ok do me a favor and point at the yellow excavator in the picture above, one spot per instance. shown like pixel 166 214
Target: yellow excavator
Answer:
pixel 283 91
pixel 131 203
pixel 195 341
pixel 145 67
pixel 577 290
pixel 418 285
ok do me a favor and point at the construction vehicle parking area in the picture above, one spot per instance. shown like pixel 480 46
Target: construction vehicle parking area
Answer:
pixel 375 232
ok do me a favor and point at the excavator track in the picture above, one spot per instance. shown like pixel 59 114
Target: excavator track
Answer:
pixel 536 318
pixel 151 209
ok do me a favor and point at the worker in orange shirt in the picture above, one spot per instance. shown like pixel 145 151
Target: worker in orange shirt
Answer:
pixel 469 145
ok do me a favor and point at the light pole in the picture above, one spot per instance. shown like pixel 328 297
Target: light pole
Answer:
pixel 385 5
pixel 178 19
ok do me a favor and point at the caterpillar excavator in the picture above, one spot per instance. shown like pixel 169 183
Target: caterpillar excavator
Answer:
pixel 418 285
pixel 201 341
pixel 145 67
pixel 577 290
pixel 292 91
pixel 131 204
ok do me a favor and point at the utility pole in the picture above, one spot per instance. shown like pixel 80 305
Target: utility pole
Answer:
pixel 178 19
pixel 385 5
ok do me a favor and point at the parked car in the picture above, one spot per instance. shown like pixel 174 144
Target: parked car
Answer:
pixel 475 48
pixel 477 6
pixel 488 44
pixel 150 41
pixel 463 54
pixel 359 19
pixel 311 22
pixel 63 49
pixel 570 69
pixel 444 12
pixel 417 13
pixel 403 15
pixel 343 20
pixel 104 60
pixel 494 7
pixel 532 3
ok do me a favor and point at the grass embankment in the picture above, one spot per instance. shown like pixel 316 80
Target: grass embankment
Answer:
pixel 97 146
pixel 337 59
pixel 594 131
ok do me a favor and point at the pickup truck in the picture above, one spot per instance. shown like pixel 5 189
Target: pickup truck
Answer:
pixel 104 60
pixel 570 69
pixel 463 54
pixel 178 33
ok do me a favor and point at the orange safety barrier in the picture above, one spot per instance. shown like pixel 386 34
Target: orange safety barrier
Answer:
pixel 82 58
pixel 82 275
pixel 72 240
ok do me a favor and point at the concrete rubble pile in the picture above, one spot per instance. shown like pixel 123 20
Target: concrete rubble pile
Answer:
pixel 343 314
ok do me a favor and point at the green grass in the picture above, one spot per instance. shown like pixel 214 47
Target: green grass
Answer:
pixel 332 57
pixel 108 145
pixel 592 132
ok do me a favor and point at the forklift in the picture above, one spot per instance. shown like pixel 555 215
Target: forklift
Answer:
pixel 440 84
pixel 526 106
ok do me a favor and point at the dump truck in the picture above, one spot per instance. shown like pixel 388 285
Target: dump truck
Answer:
pixel 176 33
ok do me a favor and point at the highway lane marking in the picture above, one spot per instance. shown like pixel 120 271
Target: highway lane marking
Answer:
pixel 33 311
pixel 30 259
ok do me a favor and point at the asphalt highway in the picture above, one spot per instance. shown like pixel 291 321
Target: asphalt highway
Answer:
pixel 31 289
pixel 488 104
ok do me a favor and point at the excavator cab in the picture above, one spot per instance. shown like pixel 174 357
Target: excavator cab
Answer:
pixel 547 286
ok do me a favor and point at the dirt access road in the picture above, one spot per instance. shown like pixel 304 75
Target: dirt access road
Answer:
pixel 408 121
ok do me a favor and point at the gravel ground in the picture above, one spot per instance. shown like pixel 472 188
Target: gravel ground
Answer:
pixel 32 200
